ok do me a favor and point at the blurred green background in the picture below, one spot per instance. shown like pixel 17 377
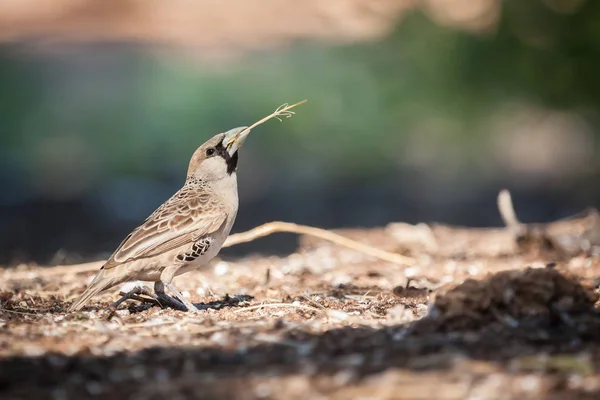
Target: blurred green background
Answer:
pixel 425 124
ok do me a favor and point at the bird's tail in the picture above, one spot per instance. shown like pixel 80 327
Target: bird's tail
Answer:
pixel 103 280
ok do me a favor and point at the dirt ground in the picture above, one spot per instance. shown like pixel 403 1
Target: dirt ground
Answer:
pixel 479 315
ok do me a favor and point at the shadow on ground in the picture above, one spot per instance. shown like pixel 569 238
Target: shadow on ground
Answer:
pixel 512 324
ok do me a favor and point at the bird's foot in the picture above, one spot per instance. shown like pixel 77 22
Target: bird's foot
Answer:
pixel 167 301
pixel 134 294
pixel 188 304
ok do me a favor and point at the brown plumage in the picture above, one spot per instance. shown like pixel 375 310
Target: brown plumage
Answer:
pixel 186 231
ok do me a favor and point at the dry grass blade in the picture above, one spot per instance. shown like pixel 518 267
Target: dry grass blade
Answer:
pixel 54 271
pixel 17 312
pixel 243 237
pixel 507 211
pixel 281 111
pixel 279 226
pixel 277 305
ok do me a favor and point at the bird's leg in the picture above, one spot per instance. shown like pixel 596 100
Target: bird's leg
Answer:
pixel 132 293
pixel 165 281
pixel 180 297
pixel 165 299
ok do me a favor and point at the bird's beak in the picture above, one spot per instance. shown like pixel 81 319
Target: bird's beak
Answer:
pixel 234 139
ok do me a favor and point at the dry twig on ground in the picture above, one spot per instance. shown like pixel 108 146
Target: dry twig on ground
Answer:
pixel 567 237
pixel 279 226
pixel 244 237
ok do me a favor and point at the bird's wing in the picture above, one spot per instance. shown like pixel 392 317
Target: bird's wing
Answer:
pixel 186 217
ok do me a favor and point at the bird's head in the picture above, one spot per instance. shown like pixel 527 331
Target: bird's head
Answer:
pixel 217 158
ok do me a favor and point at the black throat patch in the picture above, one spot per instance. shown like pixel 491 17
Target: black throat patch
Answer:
pixel 231 161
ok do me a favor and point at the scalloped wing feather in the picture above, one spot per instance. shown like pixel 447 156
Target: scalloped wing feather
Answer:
pixel 183 219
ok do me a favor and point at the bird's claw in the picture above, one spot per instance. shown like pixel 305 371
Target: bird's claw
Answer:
pixel 188 304
pixel 167 301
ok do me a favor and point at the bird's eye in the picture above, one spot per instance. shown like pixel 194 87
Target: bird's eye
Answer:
pixel 210 151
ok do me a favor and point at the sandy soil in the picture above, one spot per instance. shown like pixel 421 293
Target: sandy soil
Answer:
pixel 477 316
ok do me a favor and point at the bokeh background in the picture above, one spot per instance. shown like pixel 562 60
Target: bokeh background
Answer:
pixel 419 111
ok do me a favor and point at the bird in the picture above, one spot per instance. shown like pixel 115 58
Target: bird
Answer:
pixel 184 233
